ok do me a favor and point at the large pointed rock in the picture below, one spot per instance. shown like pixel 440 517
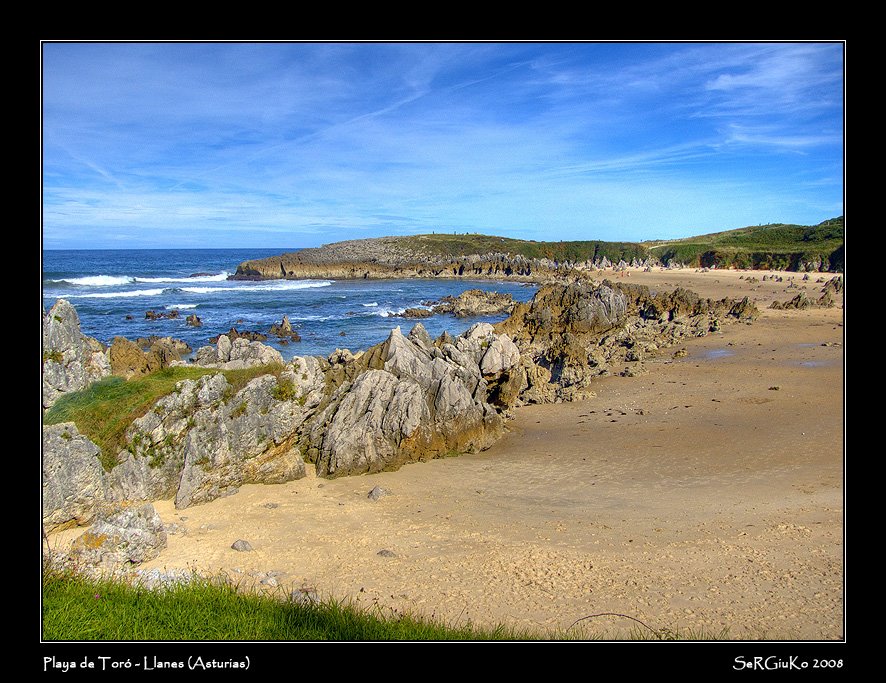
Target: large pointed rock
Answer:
pixel 71 360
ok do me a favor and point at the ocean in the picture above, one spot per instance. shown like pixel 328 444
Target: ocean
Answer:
pixel 113 289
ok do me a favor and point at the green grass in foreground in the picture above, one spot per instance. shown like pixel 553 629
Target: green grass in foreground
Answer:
pixel 75 608
pixel 81 609
pixel 104 410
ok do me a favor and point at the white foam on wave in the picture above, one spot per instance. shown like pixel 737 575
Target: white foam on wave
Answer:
pixel 219 277
pixel 177 307
pixel 315 318
pixel 393 312
pixel 389 312
pixel 117 295
pixel 372 305
pixel 99 280
pixel 273 286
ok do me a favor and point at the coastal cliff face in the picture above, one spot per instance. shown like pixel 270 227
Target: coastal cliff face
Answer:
pixel 407 399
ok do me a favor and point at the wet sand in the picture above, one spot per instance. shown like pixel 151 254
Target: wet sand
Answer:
pixel 705 497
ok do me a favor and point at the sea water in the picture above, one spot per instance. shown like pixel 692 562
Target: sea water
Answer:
pixel 113 290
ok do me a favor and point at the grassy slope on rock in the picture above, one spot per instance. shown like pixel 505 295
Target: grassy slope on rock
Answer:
pixel 777 245
pixel 104 410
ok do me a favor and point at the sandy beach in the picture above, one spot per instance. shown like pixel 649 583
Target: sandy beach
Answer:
pixel 705 496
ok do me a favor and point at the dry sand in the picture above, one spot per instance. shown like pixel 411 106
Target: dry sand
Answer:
pixel 706 495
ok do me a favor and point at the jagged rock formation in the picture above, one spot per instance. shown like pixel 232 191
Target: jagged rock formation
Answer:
pixel 284 330
pixel 409 398
pixel 205 440
pixel 71 360
pixel 800 302
pixel 416 399
pixel 570 334
pixel 416 313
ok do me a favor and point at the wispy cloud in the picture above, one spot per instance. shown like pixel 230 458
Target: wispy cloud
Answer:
pixel 290 140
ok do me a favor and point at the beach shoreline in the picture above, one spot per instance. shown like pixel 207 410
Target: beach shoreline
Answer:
pixel 704 496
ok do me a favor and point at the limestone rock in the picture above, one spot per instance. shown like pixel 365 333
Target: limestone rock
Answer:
pixel 571 333
pixel 204 440
pixel 377 492
pixel 74 481
pixel 121 535
pixel 237 354
pixel 419 335
pixel 161 315
pixel 128 360
pixel 372 422
pixel 501 354
pixel 408 399
pixel 799 302
pixel 71 360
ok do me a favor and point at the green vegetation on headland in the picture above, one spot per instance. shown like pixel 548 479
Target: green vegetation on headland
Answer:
pixel 776 246
pixel 79 608
pixel 766 247
pixel 105 409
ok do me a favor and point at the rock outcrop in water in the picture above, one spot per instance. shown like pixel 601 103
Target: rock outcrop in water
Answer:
pixel 475 302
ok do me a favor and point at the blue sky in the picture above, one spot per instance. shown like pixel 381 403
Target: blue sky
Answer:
pixel 153 145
